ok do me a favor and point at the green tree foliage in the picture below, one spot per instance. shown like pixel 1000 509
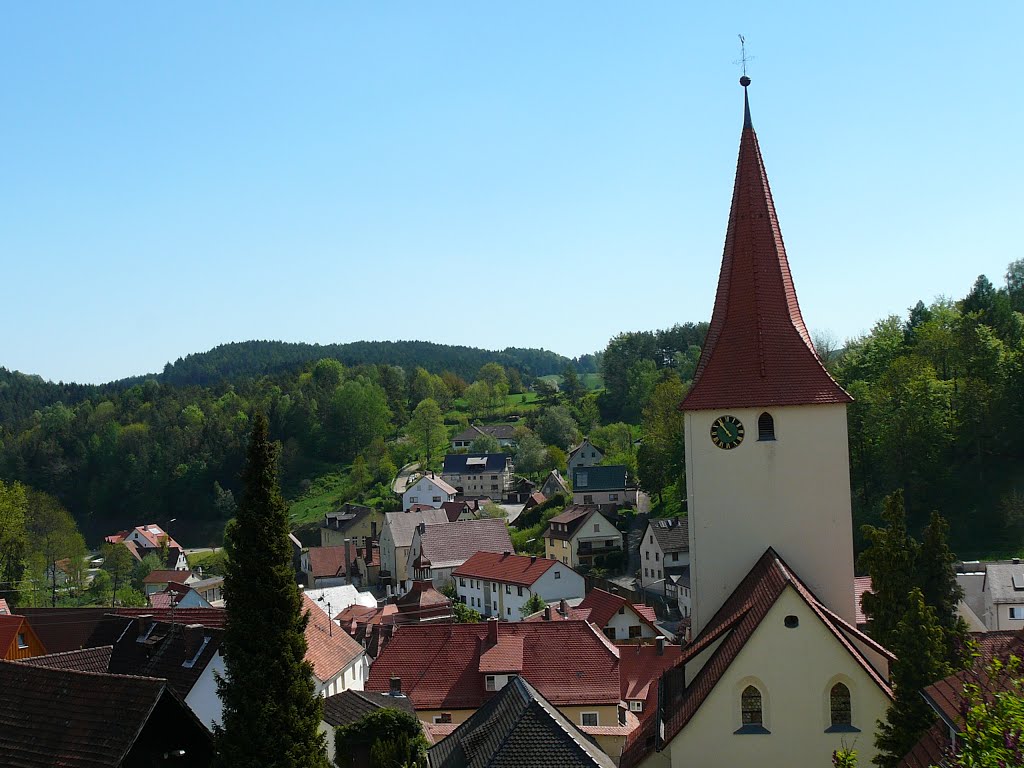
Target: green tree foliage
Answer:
pixel 386 738
pixel 531 457
pixel 477 398
pixel 660 457
pixel 358 413
pixel 271 711
pixel 557 427
pixel 463 613
pixel 13 538
pixel 937 579
pixel 426 428
pixel 119 564
pixel 917 643
pixel 485 444
pixel 533 604
pixel 572 387
pixel 992 735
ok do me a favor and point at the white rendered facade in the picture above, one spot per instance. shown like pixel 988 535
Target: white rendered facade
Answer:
pixel 504 600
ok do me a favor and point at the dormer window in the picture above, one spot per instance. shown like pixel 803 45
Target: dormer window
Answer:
pixel 765 427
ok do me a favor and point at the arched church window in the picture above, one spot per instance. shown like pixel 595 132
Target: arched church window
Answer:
pixel 839 703
pixel 765 427
pixel 750 705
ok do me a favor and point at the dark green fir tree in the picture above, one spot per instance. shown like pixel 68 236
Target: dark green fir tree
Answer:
pixel 937 580
pixel 271 711
pixel 920 661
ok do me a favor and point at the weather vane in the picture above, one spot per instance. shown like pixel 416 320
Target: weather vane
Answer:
pixel 743 59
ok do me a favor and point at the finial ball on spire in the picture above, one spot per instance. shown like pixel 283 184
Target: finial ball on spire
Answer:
pixel 744 81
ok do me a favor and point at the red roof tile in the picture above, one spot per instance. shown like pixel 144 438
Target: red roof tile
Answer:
pixel 208 617
pixel 569 662
pixel 504 656
pixel 329 562
pixel 329 648
pixel 83 660
pixel 506 568
pixel 758 351
pixel 931 749
pixel 165 576
pixel 604 605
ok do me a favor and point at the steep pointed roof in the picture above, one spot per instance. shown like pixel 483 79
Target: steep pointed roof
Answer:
pixel 758 351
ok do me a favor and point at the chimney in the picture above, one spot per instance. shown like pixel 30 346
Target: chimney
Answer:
pixel 505 554
pixel 193 639
pixel 396 687
pixel 348 555
pixel 547 613
pixel 368 552
pixel 492 631
pixel 659 641
pixel 533 558
pixel 421 527
pixel 143 623
pixel 563 607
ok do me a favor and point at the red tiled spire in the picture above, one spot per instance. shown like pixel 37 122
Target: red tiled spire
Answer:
pixel 758 351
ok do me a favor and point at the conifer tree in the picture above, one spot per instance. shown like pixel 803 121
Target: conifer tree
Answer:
pixel 937 579
pixel 891 562
pixel 271 711
pixel 918 645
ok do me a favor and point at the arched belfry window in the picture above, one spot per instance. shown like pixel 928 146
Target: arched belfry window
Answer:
pixel 839 706
pixel 765 427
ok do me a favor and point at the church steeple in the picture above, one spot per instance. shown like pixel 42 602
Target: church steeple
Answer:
pixel 758 351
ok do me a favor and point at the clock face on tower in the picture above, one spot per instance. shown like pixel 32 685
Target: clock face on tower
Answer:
pixel 727 432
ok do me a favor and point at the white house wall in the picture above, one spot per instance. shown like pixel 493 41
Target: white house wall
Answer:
pixel 203 699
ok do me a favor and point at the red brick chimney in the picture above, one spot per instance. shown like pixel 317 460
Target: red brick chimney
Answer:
pixel 492 631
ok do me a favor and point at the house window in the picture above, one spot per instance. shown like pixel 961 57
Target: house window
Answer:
pixel 750 709
pixel 519 591
pixel 636 706
pixel 22 643
pixel 657 556
pixel 565 544
pixel 588 718
pixel 558 575
pixel 587 499
pixel 413 499
pixel 581 479
pixel 1017 612
pixel 494 586
pixel 659 573
pixel 839 706
pixel 651 540
pixel 647 555
pixel 609 632
pixel 437 498
pixel 508 589
pixel 551 541
pixel 597 527
pixel 765 427
pixel 613 497
pixel 445 717
pixel 489 683
pixel 675 557
pixel 622 610
pixel 462 582
pixel 634 631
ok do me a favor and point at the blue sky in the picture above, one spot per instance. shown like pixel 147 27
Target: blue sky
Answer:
pixel 176 176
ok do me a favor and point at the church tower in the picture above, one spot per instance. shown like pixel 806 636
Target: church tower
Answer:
pixel 767 460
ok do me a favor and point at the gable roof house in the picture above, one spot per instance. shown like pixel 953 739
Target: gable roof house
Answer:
pixel 339 662
pixel 500 584
pixel 586 454
pixel 518 727
pixel 437 550
pixel 64 717
pixel 503 433
pixel 5 610
pixel 328 566
pixel 17 639
pixel 354 522
pixel 157 581
pixel 554 484
pixel 479 474
pixel 175 595
pixel 428 489
pixel 396 538
pixel 619 619
pixel 770 631
pixel 450 671
pixel 145 539
pixel 665 559
pixel 606 486
pixel 581 535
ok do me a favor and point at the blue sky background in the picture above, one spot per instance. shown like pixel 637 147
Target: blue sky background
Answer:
pixel 176 176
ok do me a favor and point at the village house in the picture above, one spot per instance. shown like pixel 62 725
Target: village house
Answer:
pixel 479 474
pixel 396 538
pixel 503 433
pixel 615 616
pixel 328 566
pixel 50 716
pixel 437 550
pixel 500 584
pixel 151 539
pixel 176 595
pixel 350 706
pixel 464 509
pixel 583 455
pixel 665 560
pixel 518 727
pixel 354 522
pixel 606 486
pixel 580 534
pixel 430 490
pixel 17 638
pixel 339 662
pixel 157 581
pixel 451 671
pixel 554 484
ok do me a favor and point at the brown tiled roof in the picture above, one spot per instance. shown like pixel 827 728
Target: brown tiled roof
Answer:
pixel 59 717
pixel 572 518
pixel 162 650
pixel 421 602
pixel 736 622
pixel 758 351
pixel 208 617
pixel 450 544
pixel 328 647
pixel 69 629
pixel 85 660
pixel 329 562
pixel 10 626
pixel 569 662
pixel 164 576
pixel 506 568
pixel 604 605
pixel 504 656
pixel 931 750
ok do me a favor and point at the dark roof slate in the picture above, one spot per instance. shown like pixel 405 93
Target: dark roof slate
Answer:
pixel 455 463
pixel 518 728
pixel 84 660
pixel 672 534
pixel 611 477
pixel 348 706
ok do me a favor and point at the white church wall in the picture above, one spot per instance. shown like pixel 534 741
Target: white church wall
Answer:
pixel 795 670
pixel 792 493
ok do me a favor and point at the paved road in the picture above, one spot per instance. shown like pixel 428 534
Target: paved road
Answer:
pixel 400 483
